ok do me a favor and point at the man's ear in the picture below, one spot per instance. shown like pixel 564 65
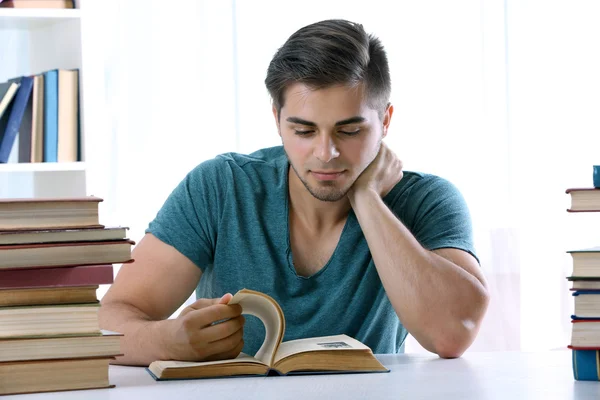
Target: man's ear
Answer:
pixel 276 115
pixel 387 118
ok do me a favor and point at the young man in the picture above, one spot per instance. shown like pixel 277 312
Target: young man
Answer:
pixel 328 225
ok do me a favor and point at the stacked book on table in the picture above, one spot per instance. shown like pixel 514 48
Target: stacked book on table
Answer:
pixel 53 255
pixel 585 334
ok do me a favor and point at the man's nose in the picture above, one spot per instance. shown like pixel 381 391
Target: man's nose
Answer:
pixel 326 149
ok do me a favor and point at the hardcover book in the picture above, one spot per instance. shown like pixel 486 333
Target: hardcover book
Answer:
pixel 587 303
pixel 38 213
pixel 11 130
pixel 584 283
pixel 48 296
pixel 63 319
pixel 584 199
pixel 54 375
pixel 317 355
pixel 64 254
pixel 105 344
pixel 585 332
pixel 586 364
pixel 56 277
pixel 586 262
pixel 62 235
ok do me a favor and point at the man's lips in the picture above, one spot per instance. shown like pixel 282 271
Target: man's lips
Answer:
pixel 327 175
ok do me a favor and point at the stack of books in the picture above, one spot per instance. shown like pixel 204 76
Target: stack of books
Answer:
pixel 53 256
pixel 585 333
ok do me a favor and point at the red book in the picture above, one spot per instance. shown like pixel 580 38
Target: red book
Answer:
pixel 583 348
pixel 56 277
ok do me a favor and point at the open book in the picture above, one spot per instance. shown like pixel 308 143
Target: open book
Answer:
pixel 326 354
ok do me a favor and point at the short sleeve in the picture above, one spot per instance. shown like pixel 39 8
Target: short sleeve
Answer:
pixel 188 219
pixel 437 215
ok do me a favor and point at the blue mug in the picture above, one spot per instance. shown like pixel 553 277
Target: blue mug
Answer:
pixel 597 176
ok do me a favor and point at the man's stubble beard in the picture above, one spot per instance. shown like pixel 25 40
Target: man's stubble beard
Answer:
pixel 330 196
pixel 338 194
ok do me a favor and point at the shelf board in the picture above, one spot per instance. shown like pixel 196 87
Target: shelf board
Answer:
pixel 42 167
pixel 28 18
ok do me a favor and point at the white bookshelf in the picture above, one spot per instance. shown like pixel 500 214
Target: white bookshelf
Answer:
pixel 30 19
pixel 33 41
pixel 43 167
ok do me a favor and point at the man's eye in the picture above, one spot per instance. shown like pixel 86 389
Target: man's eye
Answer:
pixel 350 133
pixel 302 133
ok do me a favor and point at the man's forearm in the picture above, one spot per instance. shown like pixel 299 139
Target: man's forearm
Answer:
pixel 142 342
pixel 438 302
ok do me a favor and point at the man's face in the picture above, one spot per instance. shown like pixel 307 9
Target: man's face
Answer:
pixel 330 136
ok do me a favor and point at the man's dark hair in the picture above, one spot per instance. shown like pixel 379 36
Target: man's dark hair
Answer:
pixel 329 53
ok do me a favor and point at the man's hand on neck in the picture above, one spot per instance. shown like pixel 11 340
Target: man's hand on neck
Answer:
pixel 384 172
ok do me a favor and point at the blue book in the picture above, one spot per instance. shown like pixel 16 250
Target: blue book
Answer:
pixel 15 117
pixel 8 107
pixel 595 315
pixel 584 291
pixel 51 116
pixel 577 318
pixel 586 365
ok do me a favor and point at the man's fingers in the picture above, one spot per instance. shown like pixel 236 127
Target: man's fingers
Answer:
pixel 224 329
pixel 198 319
pixel 228 355
pixel 226 348
pixel 197 305
pixel 219 312
pixel 226 298
pixel 203 303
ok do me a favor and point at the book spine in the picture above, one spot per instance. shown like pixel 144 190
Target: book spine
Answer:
pixel 15 118
pixel 51 116
pixel 586 365
pixel 56 277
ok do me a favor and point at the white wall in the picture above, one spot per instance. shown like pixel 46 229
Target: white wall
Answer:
pixel 554 86
pixel 500 97
pixel 174 99
pixel 169 102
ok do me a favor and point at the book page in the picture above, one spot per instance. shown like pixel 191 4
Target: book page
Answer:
pixel 329 343
pixel 241 358
pixel 268 311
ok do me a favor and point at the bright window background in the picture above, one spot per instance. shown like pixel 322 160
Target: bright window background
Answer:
pixel 500 97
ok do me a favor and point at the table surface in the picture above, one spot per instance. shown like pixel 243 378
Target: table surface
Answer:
pixel 493 375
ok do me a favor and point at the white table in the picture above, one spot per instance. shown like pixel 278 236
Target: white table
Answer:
pixel 480 376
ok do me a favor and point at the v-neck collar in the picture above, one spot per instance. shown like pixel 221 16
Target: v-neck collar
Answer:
pixel 289 256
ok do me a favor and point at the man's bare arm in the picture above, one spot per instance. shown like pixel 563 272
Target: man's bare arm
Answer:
pixel 440 296
pixel 148 291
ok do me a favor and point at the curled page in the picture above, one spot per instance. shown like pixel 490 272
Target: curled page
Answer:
pixel 268 311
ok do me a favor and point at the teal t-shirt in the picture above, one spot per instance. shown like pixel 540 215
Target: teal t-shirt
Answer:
pixel 230 217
